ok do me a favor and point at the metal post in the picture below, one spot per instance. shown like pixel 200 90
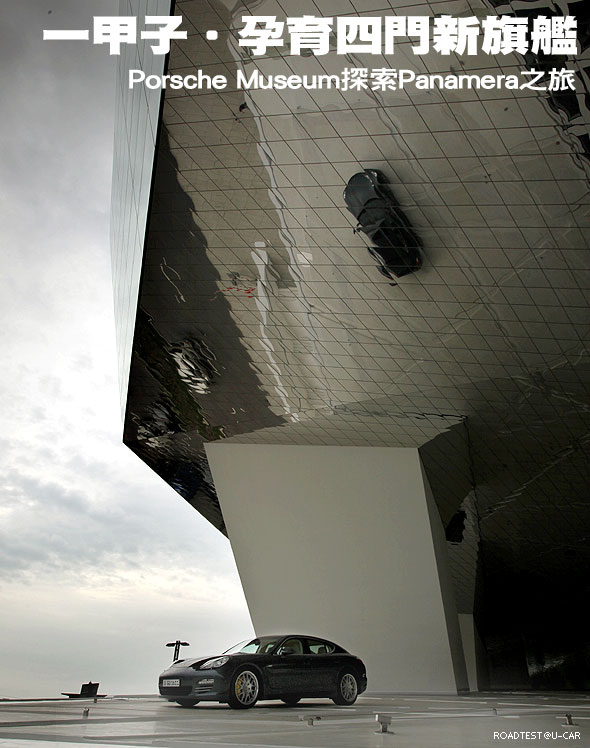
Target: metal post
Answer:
pixel 309 718
pixel 384 721
pixel 177 645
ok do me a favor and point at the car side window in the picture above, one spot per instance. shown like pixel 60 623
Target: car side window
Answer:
pixel 317 646
pixel 251 647
pixel 295 644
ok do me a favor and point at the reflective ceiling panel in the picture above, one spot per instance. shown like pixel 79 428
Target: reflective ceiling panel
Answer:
pixel 263 318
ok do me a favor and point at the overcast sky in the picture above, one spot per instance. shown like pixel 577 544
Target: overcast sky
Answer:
pixel 101 563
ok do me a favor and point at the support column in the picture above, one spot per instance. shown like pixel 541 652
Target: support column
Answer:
pixel 345 543
pixel 475 655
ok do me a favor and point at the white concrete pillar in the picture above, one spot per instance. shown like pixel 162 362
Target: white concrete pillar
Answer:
pixel 467 628
pixel 345 543
pixel 475 653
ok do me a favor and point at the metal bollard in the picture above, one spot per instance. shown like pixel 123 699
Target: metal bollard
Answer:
pixel 309 718
pixel 85 713
pixel 384 721
pixel 569 720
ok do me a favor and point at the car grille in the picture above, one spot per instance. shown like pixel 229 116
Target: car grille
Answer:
pixel 175 690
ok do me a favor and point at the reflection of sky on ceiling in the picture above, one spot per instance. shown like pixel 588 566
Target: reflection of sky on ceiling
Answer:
pixel 264 319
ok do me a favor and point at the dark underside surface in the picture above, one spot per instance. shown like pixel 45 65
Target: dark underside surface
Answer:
pixel 262 318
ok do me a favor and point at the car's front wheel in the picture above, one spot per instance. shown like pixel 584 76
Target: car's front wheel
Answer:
pixel 244 689
pixel 347 689
pixel 188 703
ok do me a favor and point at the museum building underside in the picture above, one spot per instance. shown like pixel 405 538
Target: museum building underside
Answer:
pixel 262 319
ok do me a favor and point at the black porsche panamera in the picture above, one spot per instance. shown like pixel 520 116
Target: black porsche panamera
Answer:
pixel 287 667
pixel 396 246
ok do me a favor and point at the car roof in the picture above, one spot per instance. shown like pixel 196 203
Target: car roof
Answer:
pixel 308 636
pixel 298 636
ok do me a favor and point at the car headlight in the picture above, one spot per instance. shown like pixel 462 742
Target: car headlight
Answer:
pixel 215 663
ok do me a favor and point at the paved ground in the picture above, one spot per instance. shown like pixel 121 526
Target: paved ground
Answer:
pixel 417 722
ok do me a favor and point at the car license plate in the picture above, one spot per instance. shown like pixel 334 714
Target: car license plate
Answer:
pixel 171 682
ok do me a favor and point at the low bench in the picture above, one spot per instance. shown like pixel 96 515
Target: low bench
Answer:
pixel 87 691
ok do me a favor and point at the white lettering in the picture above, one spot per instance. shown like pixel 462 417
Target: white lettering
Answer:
pixel 243 82
pixel 135 76
pixel 199 80
pixel 406 76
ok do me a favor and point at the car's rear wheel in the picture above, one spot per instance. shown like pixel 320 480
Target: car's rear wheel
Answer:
pixel 187 702
pixel 244 689
pixel 347 689
pixel 291 701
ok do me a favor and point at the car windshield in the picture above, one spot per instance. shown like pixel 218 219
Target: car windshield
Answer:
pixel 260 645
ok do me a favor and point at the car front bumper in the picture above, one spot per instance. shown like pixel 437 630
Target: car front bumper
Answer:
pixel 204 685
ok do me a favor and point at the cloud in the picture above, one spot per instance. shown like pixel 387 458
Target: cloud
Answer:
pixel 96 515
pixel 100 562
pixel 118 638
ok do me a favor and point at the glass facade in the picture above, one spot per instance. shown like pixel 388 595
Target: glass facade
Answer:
pixel 136 125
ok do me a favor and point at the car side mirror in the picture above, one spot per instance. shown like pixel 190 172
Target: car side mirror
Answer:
pixel 287 651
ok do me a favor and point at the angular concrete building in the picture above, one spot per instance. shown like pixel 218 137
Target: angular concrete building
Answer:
pixel 403 467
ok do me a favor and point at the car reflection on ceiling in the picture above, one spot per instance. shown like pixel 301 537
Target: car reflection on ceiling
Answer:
pixel 396 246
